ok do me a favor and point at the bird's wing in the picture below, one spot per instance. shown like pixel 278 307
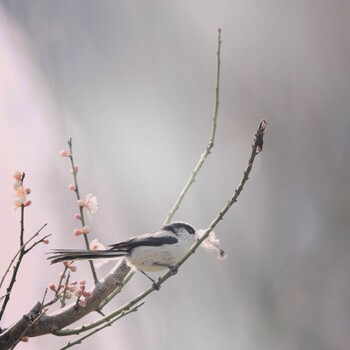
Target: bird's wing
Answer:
pixel 144 240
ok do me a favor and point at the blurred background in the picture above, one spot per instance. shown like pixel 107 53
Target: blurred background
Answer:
pixel 133 83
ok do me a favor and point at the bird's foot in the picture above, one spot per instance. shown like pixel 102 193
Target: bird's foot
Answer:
pixel 156 285
pixel 173 270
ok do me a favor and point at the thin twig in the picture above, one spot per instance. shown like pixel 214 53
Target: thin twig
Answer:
pixel 20 249
pixel 210 145
pixel 3 296
pixel 63 275
pixel 256 149
pixel 64 293
pixel 52 301
pixel 107 318
pixel 117 291
pixel 21 236
pixel 80 340
pixel 82 219
pixel 36 243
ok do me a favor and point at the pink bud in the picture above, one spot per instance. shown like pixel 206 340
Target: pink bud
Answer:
pixel 82 282
pixel 25 339
pixel 81 202
pixel 28 190
pixel 73 268
pixel 53 287
pixel 17 175
pixel 72 187
pixel 72 288
pixel 77 232
pixel 75 169
pixel 87 294
pixel 46 241
pixel 77 216
pixel 65 153
pixel 27 203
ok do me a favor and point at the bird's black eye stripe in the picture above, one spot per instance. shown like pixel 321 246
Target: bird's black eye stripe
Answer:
pixel 174 227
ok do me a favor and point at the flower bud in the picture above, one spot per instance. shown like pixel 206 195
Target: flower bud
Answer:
pixel 77 216
pixel 28 190
pixel 27 203
pixel 81 202
pixel 77 232
pixel 86 229
pixel 46 241
pixel 65 153
pixel 17 175
pixel 53 287
pixel 75 169
pixel 73 268
pixel 72 288
pixel 72 187
pixel 87 294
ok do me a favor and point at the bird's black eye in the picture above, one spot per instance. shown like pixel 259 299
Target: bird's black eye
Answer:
pixel 176 226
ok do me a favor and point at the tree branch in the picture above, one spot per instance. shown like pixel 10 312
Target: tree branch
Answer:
pixel 20 254
pixel 49 323
pixel 82 219
pixel 210 145
pixel 79 341
pixel 256 148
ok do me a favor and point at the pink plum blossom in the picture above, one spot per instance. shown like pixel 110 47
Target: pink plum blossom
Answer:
pixel 65 153
pixel 72 187
pixel 77 232
pixel 90 203
pixel 17 175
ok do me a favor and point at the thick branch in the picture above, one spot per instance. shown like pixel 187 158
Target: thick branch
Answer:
pixel 49 323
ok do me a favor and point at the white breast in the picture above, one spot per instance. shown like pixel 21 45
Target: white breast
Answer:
pixel 159 258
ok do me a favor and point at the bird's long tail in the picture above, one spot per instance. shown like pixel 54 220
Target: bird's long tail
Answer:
pixel 59 255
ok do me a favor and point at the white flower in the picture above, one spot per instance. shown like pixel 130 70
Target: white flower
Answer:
pixel 96 245
pixel 90 203
pixel 211 243
pixel 86 229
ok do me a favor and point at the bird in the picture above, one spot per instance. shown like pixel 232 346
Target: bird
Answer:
pixel 149 252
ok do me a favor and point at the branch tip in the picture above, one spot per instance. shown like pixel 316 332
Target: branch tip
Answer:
pixel 259 136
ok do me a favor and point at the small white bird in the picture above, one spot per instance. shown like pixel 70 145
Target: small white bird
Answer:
pixel 147 253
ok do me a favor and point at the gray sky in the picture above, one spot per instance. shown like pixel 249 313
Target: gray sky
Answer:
pixel 133 84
